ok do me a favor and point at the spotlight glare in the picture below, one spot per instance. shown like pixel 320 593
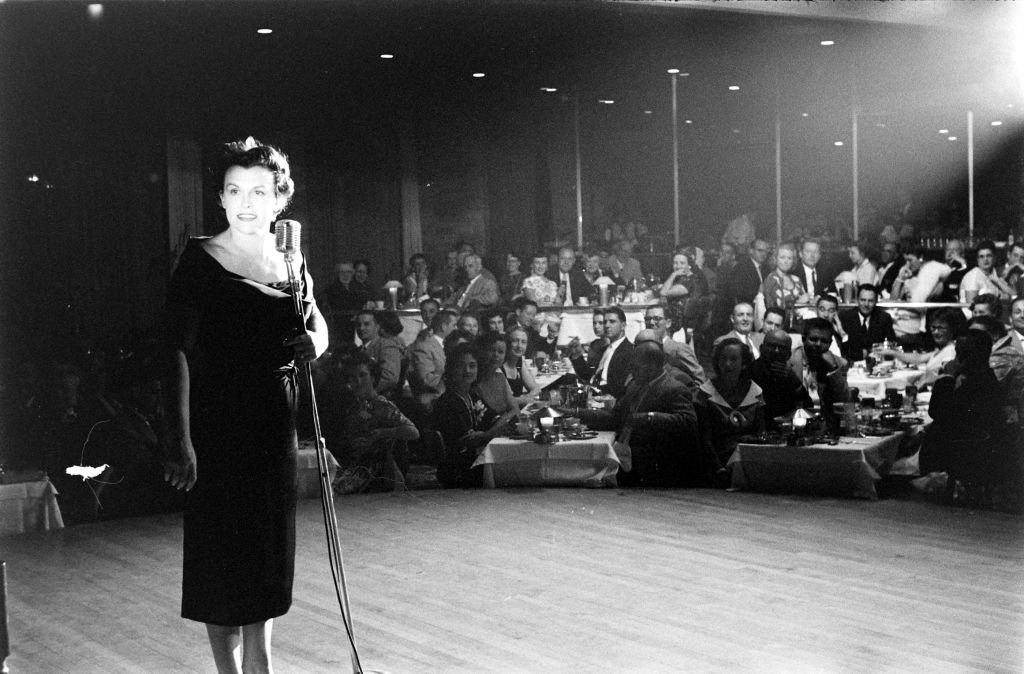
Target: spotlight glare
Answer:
pixel 689 121
pixel 647 112
pixel 805 114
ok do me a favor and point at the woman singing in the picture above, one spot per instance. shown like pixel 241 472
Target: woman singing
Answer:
pixel 233 341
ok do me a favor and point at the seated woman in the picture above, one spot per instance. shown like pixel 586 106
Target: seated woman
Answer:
pixel 781 288
pixel 520 380
pixel 537 286
pixel 364 430
pixel 945 325
pixel 686 290
pixel 729 404
pixel 492 320
pixel 491 384
pixel 465 422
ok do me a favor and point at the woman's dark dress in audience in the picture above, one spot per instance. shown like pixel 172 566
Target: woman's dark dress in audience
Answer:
pixel 455 415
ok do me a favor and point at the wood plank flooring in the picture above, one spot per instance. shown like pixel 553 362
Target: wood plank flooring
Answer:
pixel 561 580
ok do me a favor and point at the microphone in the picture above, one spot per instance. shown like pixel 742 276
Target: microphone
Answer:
pixel 287 235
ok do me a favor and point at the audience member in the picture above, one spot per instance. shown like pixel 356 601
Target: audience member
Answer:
pixel 680 375
pixel 807 272
pixel 686 291
pixel 537 286
pixel 983 278
pixel 656 419
pixel 892 262
pixel 491 384
pixel 863 272
pixel 958 268
pixel 774 319
pixel 747 276
pixel 548 344
pixel 480 291
pixel 572 283
pixel 729 404
pixel 616 360
pixel 625 266
pixel 677 354
pixel 1006 363
pixel 945 325
pixel 343 297
pixel 781 288
pixel 585 358
pixel 467 328
pixel 866 325
pixel 387 351
pixel 1017 323
pixel 824 375
pixel 465 422
pixel 493 320
pixel 520 379
pixel 919 280
pixel 365 431
pixel 742 320
pixel 781 387
pixel 1013 271
pixel 426 372
pixel 986 304
pixel 416 283
pixel 511 283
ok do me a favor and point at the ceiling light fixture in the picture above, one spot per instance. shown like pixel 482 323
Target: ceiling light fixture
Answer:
pixel 997 123
pixel 951 137
pixel 95 10
pixel 689 121
pixel 479 75
pixel 549 90
pixel 827 43
pixel 647 112
pixel 387 56
pixel 838 143
pixel 33 178
pixel 606 101
pixel 943 130
pixel 734 87
pixel 673 71
pixel 805 114
pixel 264 31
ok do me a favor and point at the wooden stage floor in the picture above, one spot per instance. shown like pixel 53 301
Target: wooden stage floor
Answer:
pixel 561 580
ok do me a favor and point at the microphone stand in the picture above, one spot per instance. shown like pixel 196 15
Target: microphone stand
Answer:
pixel 326 493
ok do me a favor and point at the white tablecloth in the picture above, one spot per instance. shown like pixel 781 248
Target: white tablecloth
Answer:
pixel 874 387
pixel 29 506
pixel 849 468
pixel 568 463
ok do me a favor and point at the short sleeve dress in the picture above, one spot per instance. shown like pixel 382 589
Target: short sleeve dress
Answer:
pixel 239 522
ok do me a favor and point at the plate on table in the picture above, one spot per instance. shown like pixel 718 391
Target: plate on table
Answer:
pixel 582 435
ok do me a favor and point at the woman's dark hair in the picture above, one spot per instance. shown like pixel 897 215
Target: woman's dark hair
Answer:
pixel 485 341
pixel 973 350
pixel 353 359
pixel 389 322
pixel 952 317
pixel 781 313
pixel 746 354
pixel 457 353
pixel 365 263
pixel 249 153
pixel 486 316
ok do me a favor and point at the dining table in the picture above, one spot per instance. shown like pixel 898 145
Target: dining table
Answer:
pixel 518 462
pixel 851 467
pixel 875 385
pixel 28 503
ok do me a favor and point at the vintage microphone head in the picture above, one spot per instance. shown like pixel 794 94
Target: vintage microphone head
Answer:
pixel 287 236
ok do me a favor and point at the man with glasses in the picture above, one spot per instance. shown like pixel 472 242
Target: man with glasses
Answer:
pixel 678 354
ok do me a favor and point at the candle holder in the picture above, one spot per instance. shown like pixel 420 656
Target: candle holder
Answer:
pixel 392 288
pixel 603 283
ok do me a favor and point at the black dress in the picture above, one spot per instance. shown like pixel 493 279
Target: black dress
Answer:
pixel 239 542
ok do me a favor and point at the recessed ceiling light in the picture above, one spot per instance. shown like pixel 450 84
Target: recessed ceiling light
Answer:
pixel 673 71
pixel 997 123
pixel 264 31
pixel 33 178
pixel 549 90
pixel 805 114
pixel 606 101
pixel 734 87
pixel 479 75
pixel 735 130
pixel 951 137
pixel 95 10
pixel 827 43
pixel 689 121
pixel 647 112
pixel 838 143
pixel 387 56
pixel 943 130
pixel 684 74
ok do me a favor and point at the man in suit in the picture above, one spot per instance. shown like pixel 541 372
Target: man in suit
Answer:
pixel 587 362
pixel 572 283
pixel 386 351
pixel 677 354
pixel 865 325
pixel 781 386
pixel 613 368
pixel 810 255
pixel 742 320
pixel 656 419
pixel 480 291
pixel 746 277
pixel 824 374
pixel 892 261
pixel 426 374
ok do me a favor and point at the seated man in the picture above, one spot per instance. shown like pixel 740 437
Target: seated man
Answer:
pixel 919 280
pixel 774 319
pixel 480 290
pixel 586 360
pixel 616 362
pixel 742 320
pixel 824 375
pixel 656 419
pixel 782 389
pixel 549 342
pixel 679 355
pixel 385 351
pixel 680 375
pixel 427 361
pixel 866 325
pixel 1007 364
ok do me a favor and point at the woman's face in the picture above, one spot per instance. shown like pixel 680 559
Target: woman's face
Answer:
pixel 539 266
pixel 730 361
pixel 496 324
pixel 359 381
pixel 249 199
pixel 941 334
pixel 419 265
pixel 464 372
pixel 495 355
pixel 362 273
pixel 518 341
pixel 512 264
pixel 784 259
pixel 680 263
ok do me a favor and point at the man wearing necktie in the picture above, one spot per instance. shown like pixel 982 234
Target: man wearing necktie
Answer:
pixel 866 325
pixel 742 320
pixel 572 282
pixel 480 292
pixel 810 254
pixel 656 419
pixel 616 361
pixel 1017 323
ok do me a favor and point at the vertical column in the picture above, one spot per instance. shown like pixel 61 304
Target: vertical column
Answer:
pixel 579 171
pixel 856 178
pixel 675 156
pixel 412 231
pixel 970 172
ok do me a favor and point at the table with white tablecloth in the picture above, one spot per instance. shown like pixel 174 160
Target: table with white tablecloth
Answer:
pixel 849 468
pixel 29 506
pixel 567 463
pixel 874 387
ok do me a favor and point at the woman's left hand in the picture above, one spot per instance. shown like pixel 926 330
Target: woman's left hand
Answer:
pixel 303 349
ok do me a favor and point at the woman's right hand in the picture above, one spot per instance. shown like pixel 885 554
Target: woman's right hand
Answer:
pixel 180 469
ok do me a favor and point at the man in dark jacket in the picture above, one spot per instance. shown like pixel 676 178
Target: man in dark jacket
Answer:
pixel 865 325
